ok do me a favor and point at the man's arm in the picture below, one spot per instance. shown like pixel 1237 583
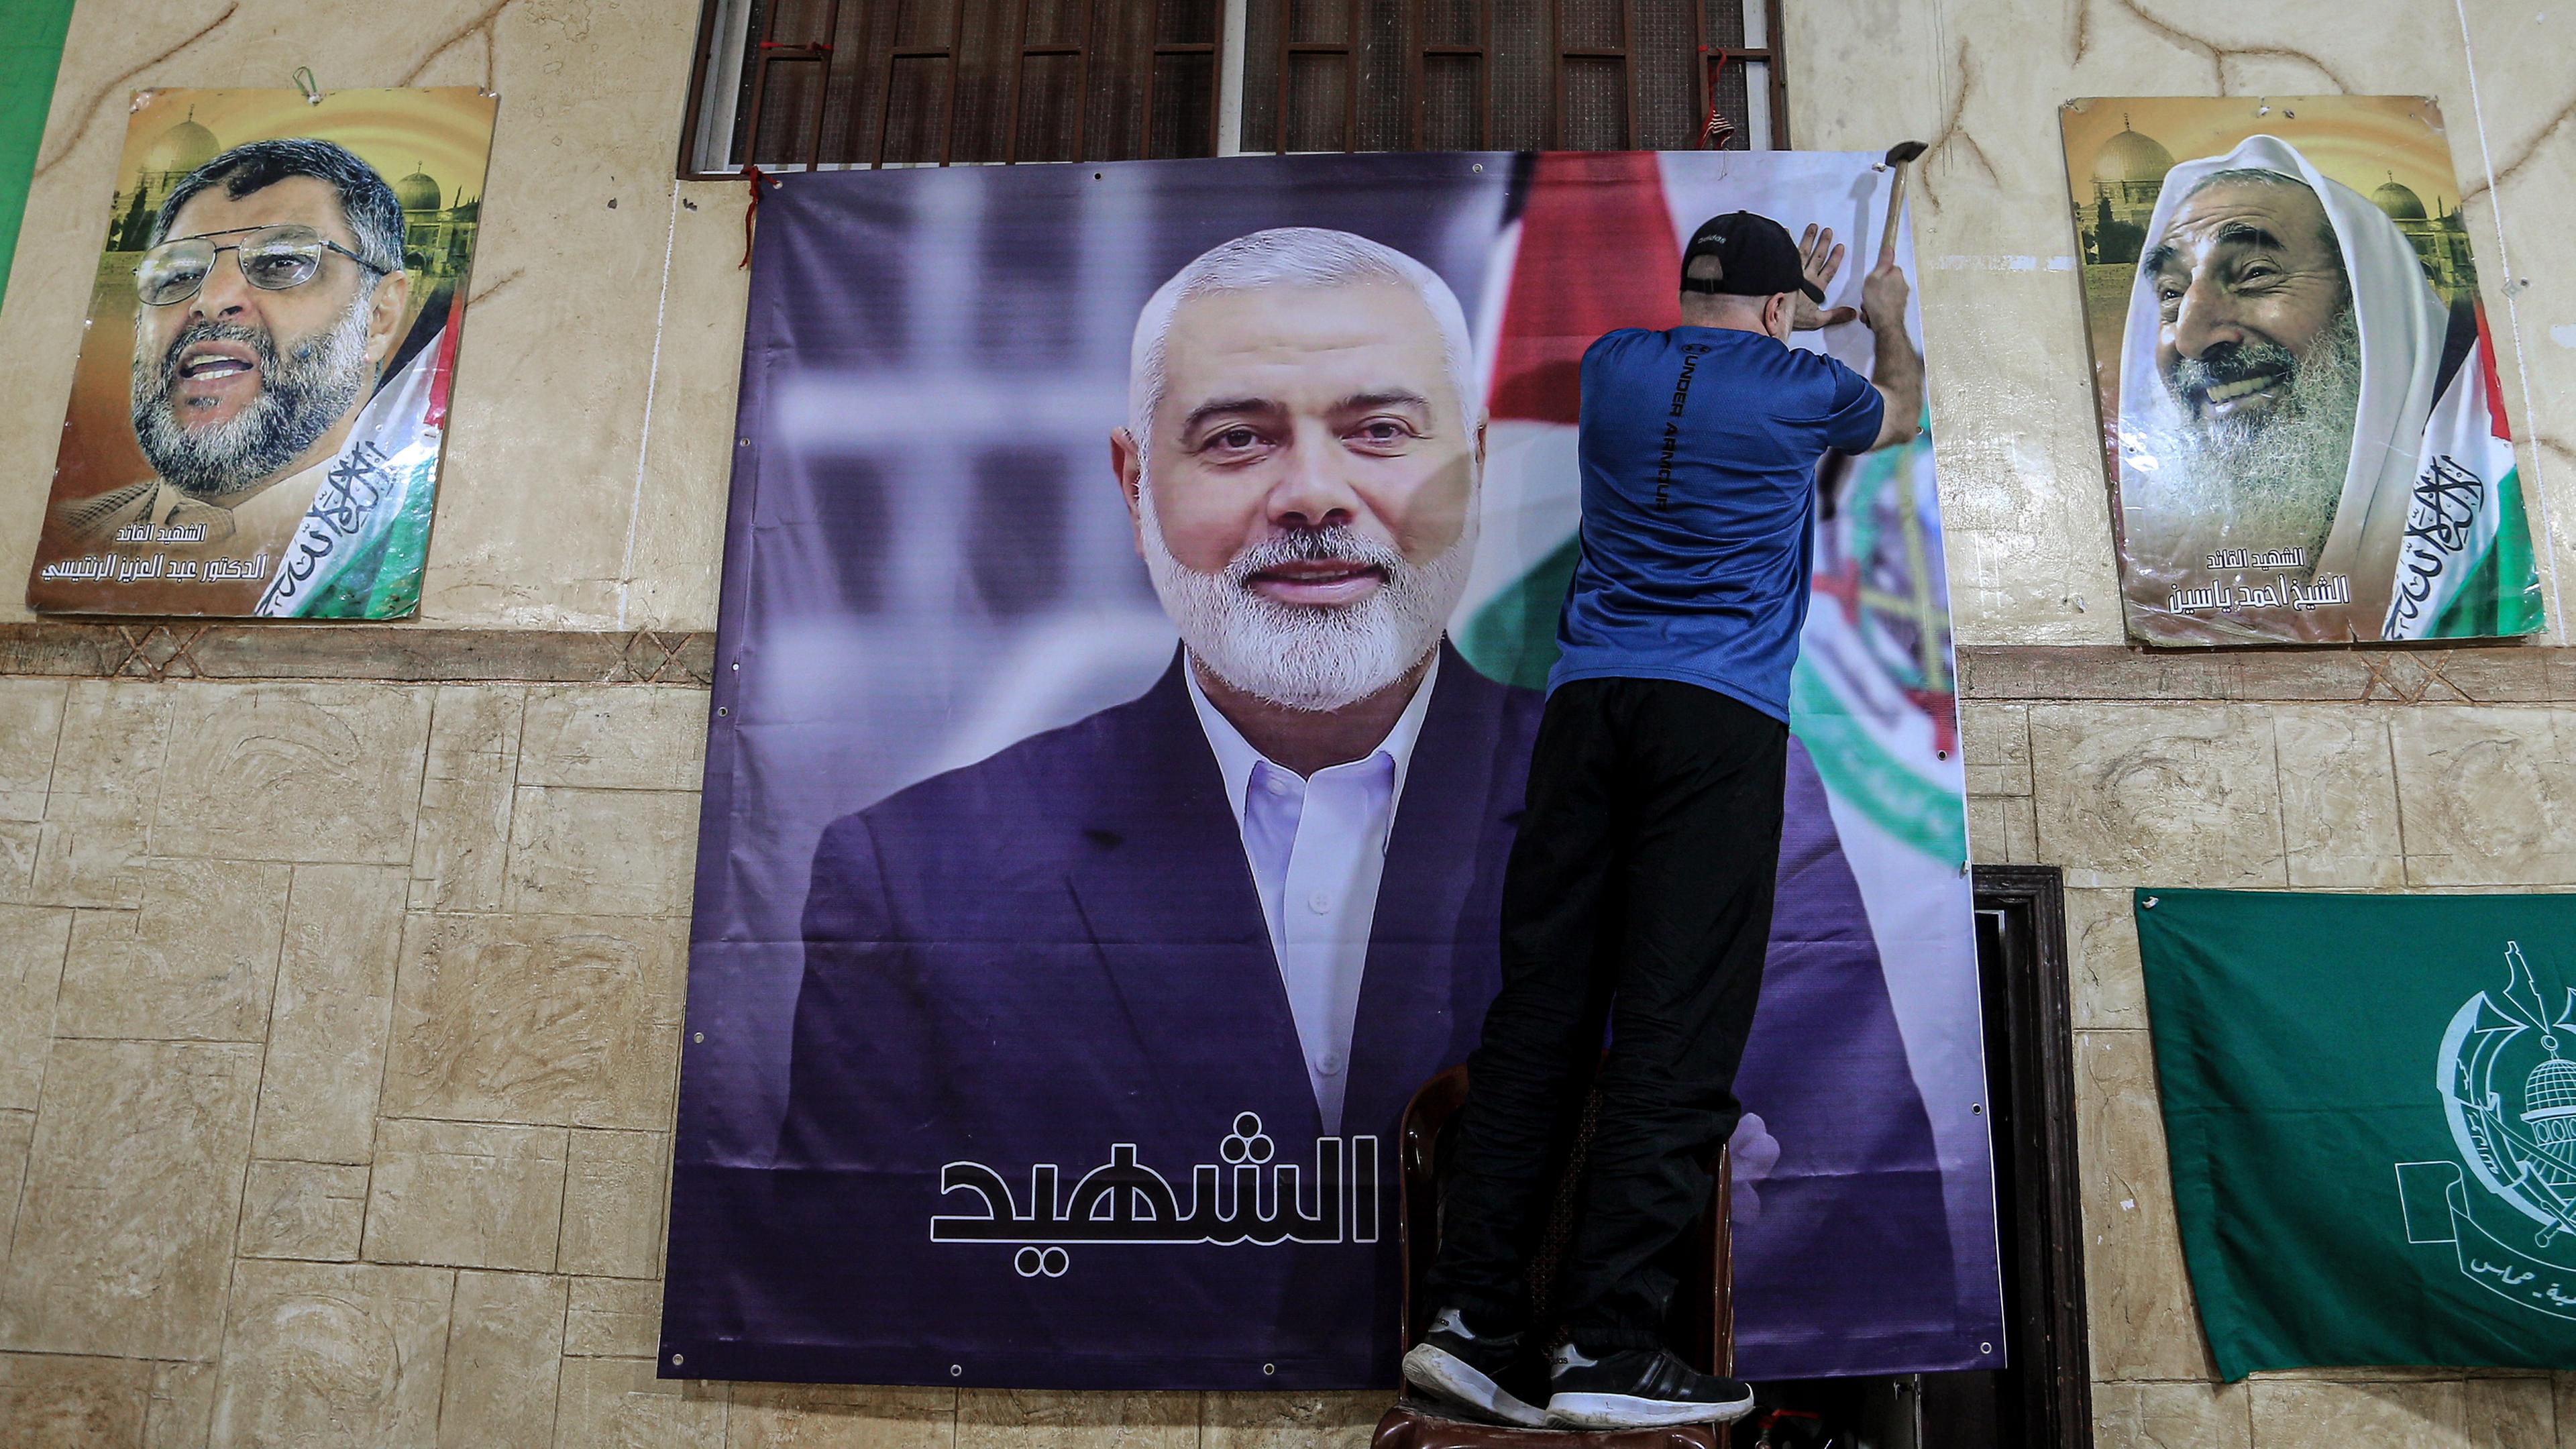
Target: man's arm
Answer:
pixel 1897 372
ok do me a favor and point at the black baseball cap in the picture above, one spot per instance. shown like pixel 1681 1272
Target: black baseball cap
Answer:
pixel 1755 258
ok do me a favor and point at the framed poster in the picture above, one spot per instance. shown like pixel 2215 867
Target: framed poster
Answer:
pixel 2300 412
pixel 1036 1038
pixel 258 411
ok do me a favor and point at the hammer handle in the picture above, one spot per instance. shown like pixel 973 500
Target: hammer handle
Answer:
pixel 1895 209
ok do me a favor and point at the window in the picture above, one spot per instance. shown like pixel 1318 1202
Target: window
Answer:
pixel 855 83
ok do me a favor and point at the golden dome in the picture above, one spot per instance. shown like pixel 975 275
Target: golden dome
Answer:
pixel 183 148
pixel 2130 157
pixel 417 192
pixel 2400 202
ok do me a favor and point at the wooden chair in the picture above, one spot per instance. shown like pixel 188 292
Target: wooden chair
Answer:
pixel 1702 1326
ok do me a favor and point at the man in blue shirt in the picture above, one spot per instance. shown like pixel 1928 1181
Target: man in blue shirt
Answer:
pixel 1640 884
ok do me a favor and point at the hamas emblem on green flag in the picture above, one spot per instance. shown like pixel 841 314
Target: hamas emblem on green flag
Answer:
pixel 2509 1091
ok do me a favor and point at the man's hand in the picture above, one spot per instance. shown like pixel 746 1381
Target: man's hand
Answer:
pixel 1820 259
pixel 1883 295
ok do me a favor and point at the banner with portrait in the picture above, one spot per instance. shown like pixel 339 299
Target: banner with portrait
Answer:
pixel 2301 417
pixel 1054 995
pixel 258 411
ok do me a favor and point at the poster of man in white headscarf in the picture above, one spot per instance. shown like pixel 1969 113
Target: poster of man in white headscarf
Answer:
pixel 2301 416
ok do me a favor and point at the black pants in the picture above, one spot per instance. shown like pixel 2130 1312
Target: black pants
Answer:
pixel 1639 889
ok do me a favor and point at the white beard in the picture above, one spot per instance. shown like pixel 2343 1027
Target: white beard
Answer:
pixel 2273 484
pixel 1303 656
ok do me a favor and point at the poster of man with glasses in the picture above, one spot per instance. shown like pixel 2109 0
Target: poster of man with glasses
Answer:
pixel 257 415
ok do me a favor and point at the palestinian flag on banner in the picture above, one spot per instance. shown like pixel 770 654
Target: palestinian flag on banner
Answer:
pixel 2465 569
pixel 1594 244
pixel 2370 1102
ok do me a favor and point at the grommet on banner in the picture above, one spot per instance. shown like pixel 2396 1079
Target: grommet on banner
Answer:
pixel 305 82
pixel 955 1369
pixel 2148 904
pixel 675 1360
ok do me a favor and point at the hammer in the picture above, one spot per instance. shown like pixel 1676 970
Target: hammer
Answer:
pixel 1899 156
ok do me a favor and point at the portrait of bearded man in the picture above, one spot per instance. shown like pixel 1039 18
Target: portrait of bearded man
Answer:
pixel 1258 904
pixel 2303 438
pixel 270 295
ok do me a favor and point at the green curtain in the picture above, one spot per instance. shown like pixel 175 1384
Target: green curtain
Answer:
pixel 31 48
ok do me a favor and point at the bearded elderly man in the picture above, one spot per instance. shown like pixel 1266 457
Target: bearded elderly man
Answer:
pixel 266 306
pixel 2307 445
pixel 1237 920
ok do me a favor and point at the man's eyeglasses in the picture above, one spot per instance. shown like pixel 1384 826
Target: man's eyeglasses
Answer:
pixel 272 258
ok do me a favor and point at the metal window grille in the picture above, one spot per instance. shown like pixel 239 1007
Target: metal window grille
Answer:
pixel 860 83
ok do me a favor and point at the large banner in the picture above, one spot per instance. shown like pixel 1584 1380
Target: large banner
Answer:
pixel 259 409
pixel 2371 1106
pixel 1051 1006
pixel 2300 409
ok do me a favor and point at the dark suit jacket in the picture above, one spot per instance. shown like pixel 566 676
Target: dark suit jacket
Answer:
pixel 1057 950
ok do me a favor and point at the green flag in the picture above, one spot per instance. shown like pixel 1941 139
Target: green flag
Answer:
pixel 2371 1106
pixel 31 46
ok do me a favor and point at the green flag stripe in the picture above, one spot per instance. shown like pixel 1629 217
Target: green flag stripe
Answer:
pixel 2501 595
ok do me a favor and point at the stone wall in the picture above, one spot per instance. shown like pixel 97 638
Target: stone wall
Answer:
pixel 341 970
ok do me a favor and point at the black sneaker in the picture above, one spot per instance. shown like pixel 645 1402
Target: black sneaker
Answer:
pixel 1468 1371
pixel 1638 1388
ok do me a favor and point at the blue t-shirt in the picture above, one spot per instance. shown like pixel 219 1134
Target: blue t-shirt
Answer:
pixel 1699 454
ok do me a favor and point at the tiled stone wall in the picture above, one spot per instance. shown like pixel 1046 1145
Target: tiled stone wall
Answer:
pixel 339 1027
pixel 2254 795
pixel 339 1019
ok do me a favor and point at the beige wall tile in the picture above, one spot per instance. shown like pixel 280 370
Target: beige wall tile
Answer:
pixel 2564 1395
pixel 2517 1412
pixel 616 1403
pixel 2002 830
pixel 1002 1419
pixel 32 943
pixel 464 839
pixel 125 1228
pixel 334 1009
pixel 332 1353
pixel 615 737
pixel 183 1406
pixel 1288 1421
pixel 2172 1416
pixel 2103 975
pixel 320 772
pixel 2339 797
pixel 107 776
pixel 2144 1324
pixel 2308 1414
pixel 2487 795
pixel 20 843
pixel 471 1195
pixel 197 962
pixel 1994 740
pixel 2158 794
pixel 538 1019
pixel 602 852
pixel 836 1416
pixel 505 1343
pixel 50 1401
pixel 614 1318
pixel 132 1187
pixel 17 1134
pixel 308 1210
pixel 613 1195
pixel 31 724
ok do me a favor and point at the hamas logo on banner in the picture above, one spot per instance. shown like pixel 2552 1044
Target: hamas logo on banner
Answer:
pixel 2509 1091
